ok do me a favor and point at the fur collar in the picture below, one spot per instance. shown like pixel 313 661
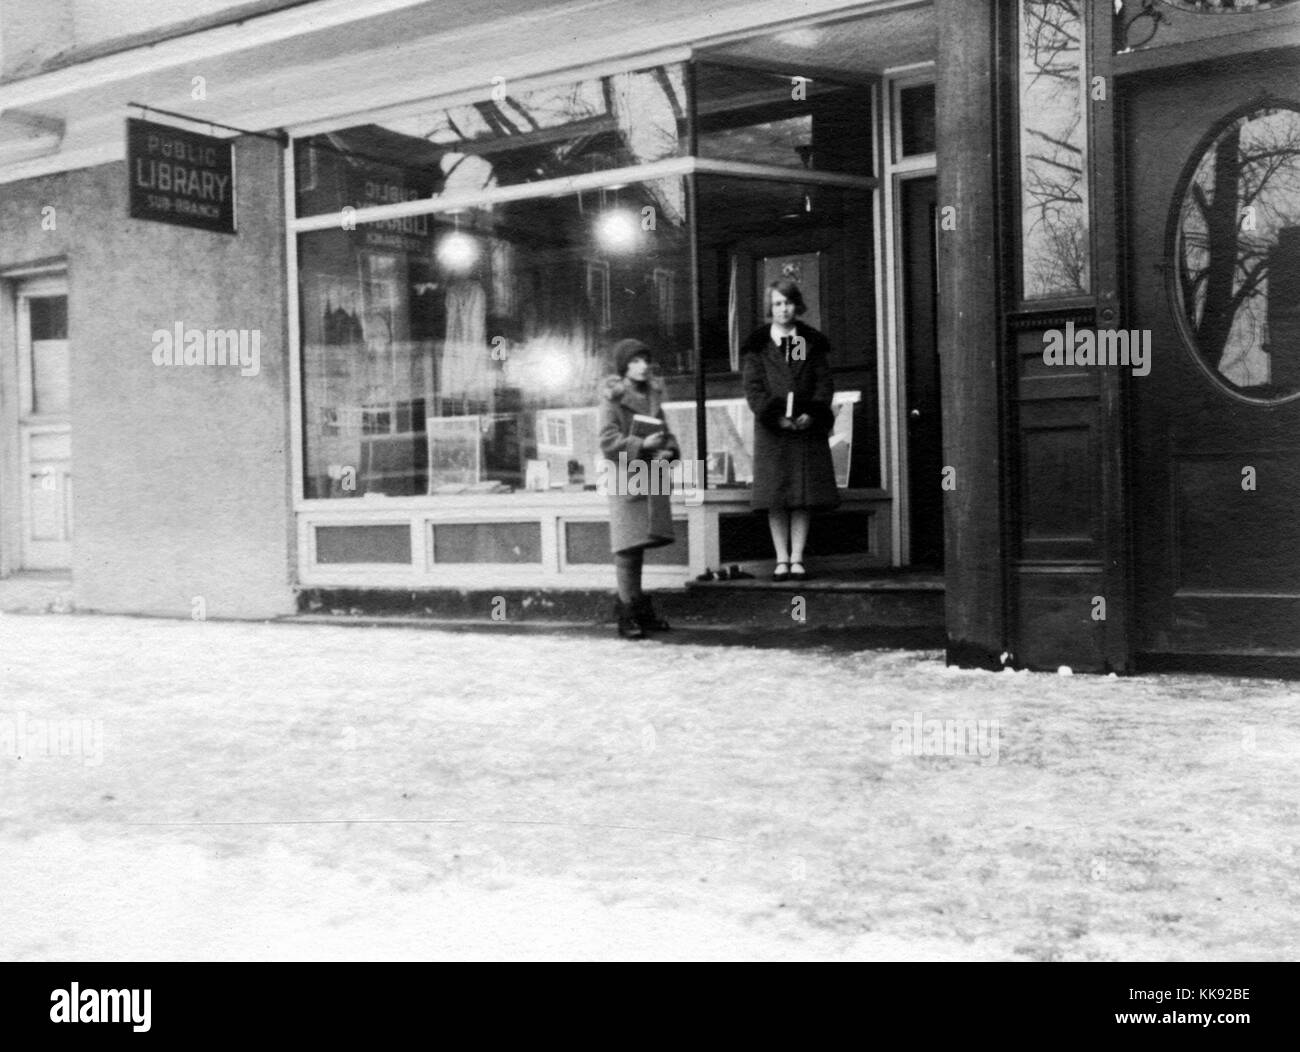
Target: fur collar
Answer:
pixel 760 338
pixel 621 390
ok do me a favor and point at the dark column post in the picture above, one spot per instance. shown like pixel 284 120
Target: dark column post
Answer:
pixel 969 330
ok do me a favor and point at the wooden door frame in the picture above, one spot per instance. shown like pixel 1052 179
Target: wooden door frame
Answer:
pixel 902 353
pixel 1116 483
pixel 1052 583
pixel 15 285
pixel 894 169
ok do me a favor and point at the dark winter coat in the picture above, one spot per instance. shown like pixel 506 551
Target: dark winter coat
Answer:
pixel 636 520
pixel 792 469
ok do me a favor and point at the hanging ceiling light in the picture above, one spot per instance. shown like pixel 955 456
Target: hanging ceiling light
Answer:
pixel 617 228
pixel 457 251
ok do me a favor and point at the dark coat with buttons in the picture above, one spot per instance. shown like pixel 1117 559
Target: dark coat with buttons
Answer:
pixel 792 469
pixel 636 520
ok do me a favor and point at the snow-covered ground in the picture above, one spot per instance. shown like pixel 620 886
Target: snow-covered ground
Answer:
pixel 232 791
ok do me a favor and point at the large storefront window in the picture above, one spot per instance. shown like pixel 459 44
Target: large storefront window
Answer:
pixel 464 353
pixel 460 347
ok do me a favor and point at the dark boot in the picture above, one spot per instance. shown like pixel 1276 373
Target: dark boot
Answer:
pixel 627 622
pixel 646 617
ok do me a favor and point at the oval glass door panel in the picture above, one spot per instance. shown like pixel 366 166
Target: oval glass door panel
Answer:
pixel 1236 249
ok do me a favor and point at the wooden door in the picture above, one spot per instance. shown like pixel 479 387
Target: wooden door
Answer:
pixel 44 427
pixel 1213 227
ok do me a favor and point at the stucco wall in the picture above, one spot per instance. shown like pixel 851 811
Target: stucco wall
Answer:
pixel 180 474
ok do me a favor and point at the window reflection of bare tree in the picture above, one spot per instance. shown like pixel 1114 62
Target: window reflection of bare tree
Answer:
pixel 1052 171
pixel 1243 195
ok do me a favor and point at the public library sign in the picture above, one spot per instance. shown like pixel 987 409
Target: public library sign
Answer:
pixel 180 177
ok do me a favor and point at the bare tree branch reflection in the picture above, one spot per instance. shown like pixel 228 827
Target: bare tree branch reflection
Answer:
pixel 1054 203
pixel 1244 193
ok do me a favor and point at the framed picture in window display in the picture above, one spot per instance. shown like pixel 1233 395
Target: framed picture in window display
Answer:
pixel 730 428
pixel 805 270
pixel 722 468
pixel 537 478
pixel 455 453
pixel 568 440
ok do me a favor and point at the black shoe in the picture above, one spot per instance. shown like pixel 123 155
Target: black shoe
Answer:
pixel 779 574
pixel 628 627
pixel 644 612
pixel 737 574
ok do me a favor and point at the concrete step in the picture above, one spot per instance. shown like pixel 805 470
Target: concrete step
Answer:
pixel 903 606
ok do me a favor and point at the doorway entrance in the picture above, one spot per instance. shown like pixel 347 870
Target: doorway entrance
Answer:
pixel 918 229
pixel 44 424
pixel 879 306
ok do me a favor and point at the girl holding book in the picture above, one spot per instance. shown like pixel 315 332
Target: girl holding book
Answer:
pixel 788 385
pixel 633 428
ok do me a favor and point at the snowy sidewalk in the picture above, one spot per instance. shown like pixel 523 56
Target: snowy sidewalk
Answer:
pixel 314 791
pixel 36 592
